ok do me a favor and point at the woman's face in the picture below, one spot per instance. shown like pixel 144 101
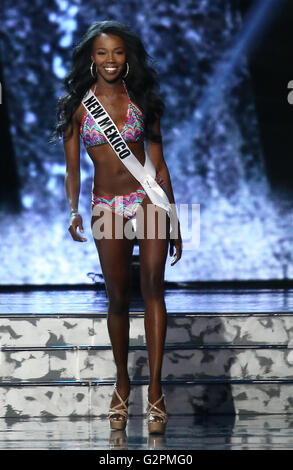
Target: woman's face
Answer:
pixel 109 55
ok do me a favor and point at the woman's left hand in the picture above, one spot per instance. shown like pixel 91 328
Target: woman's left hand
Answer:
pixel 177 244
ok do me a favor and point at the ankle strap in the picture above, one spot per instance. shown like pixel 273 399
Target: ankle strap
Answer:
pixel 159 413
pixel 122 401
pixel 153 405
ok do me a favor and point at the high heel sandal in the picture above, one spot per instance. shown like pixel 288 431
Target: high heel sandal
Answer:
pixel 115 422
pixel 157 427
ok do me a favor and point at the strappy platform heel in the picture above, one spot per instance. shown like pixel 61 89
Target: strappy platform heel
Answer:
pixel 117 422
pixel 157 427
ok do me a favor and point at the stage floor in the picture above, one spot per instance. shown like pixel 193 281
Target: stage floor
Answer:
pixel 184 432
pixel 273 432
pixel 177 300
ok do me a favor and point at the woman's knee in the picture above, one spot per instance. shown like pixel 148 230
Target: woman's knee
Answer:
pixel 152 285
pixel 118 300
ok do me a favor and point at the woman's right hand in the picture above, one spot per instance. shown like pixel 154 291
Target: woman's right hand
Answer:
pixel 76 221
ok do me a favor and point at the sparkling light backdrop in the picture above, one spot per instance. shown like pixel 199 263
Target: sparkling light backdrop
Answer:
pixel 210 134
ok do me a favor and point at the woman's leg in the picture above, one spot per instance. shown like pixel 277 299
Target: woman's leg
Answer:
pixel 115 257
pixel 153 254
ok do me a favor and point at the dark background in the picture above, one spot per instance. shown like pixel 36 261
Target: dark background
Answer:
pixel 271 69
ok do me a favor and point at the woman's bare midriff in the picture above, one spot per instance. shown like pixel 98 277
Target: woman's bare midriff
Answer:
pixel 111 177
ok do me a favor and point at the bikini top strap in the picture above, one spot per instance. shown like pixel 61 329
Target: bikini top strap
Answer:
pixel 125 88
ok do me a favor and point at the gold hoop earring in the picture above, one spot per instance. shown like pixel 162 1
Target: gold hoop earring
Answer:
pixel 127 66
pixel 91 69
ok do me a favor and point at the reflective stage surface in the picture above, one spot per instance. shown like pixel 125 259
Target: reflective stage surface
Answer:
pixel 180 300
pixel 183 433
pixel 262 335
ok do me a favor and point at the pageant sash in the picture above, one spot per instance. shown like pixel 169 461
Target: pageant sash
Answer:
pixel 146 173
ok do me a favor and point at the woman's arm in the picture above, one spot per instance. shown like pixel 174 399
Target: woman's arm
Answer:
pixel 72 178
pixel 155 152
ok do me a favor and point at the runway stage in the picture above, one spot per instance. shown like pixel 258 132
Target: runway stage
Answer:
pixel 227 371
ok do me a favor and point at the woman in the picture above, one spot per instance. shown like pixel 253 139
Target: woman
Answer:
pixel 112 62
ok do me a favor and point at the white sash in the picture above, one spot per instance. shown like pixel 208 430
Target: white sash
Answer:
pixel 146 173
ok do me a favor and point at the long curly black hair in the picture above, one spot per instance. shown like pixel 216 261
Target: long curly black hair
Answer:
pixel 142 80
